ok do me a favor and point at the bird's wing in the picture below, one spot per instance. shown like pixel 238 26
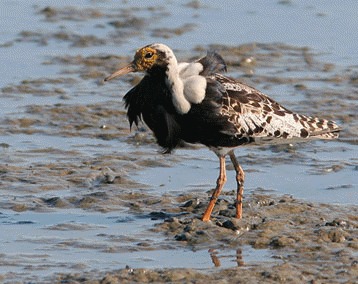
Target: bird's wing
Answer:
pixel 256 115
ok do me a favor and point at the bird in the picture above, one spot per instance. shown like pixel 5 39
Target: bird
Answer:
pixel 195 103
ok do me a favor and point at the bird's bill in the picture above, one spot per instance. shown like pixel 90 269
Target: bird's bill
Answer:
pixel 123 71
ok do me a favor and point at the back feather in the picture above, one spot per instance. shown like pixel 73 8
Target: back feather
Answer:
pixel 212 63
pixel 256 115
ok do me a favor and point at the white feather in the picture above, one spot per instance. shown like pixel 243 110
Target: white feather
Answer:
pixel 194 89
pixel 184 81
pixel 176 86
pixel 194 84
pixel 189 69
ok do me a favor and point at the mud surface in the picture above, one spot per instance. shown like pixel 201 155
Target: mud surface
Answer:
pixel 85 200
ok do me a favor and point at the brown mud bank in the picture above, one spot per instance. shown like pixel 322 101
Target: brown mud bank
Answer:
pixel 308 243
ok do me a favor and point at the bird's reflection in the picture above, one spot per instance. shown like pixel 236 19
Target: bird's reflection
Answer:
pixel 215 257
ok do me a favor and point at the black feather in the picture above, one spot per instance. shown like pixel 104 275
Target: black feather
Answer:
pixel 212 63
pixel 151 101
pixel 205 125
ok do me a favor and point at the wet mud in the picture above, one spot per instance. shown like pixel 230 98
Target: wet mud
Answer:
pixel 307 243
pixel 68 157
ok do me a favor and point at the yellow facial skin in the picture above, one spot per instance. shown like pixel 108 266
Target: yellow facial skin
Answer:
pixel 145 58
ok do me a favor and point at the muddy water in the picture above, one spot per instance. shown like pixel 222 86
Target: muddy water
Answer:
pixel 83 199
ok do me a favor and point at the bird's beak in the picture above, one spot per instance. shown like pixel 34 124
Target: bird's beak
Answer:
pixel 123 71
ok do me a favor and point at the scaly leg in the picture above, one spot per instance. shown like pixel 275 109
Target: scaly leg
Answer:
pixel 219 185
pixel 240 177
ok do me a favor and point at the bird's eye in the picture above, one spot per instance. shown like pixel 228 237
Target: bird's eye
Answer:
pixel 148 55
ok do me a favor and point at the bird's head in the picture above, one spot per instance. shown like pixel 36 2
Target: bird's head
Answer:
pixel 146 59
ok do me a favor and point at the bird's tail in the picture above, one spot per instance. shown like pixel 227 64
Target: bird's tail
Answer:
pixel 319 128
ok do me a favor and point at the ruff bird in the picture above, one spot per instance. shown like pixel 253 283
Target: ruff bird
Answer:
pixel 194 103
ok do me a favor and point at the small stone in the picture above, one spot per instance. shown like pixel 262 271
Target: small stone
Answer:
pixel 182 237
pixel 229 225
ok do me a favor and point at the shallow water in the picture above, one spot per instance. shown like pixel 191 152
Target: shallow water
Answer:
pixel 38 244
pixel 298 178
pixel 77 189
pixel 91 241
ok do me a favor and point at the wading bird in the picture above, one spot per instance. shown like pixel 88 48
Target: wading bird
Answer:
pixel 194 103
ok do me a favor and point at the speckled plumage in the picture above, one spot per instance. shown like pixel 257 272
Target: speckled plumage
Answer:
pixel 195 103
pixel 258 116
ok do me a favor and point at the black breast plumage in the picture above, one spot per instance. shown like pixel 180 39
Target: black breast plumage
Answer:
pixel 151 101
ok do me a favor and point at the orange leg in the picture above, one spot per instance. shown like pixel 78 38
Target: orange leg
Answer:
pixel 240 177
pixel 239 259
pixel 219 186
pixel 214 258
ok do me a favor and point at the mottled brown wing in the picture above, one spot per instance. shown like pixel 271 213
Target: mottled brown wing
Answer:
pixel 256 115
